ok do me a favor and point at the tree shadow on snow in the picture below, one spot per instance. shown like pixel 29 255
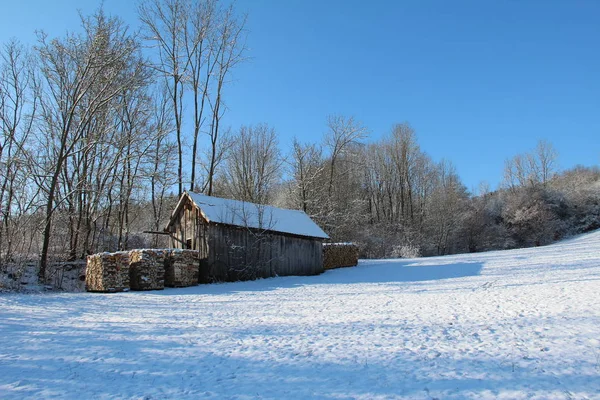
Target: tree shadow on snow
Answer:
pixel 371 272
pixel 168 361
pixel 384 271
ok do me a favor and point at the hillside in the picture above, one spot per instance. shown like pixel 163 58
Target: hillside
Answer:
pixel 506 324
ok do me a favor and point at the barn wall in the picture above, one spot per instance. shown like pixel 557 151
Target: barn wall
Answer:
pixel 189 224
pixel 241 254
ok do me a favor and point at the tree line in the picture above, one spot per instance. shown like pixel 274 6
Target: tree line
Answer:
pixel 102 129
pixel 393 200
pixel 92 124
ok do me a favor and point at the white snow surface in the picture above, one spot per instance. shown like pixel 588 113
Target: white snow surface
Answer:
pixel 521 324
pixel 241 213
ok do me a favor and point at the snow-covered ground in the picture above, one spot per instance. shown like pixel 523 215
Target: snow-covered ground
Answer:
pixel 513 324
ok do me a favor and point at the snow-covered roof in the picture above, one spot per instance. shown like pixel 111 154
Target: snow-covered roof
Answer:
pixel 241 213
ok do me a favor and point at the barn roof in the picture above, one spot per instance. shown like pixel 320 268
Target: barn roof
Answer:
pixel 245 214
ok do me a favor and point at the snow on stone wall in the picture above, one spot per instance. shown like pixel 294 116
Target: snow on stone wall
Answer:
pixel 18 276
pixel 68 276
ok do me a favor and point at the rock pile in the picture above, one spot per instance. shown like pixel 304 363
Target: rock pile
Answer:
pixel 19 276
pixel 68 276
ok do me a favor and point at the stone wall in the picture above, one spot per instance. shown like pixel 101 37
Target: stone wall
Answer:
pixel 19 276
pixel 23 276
pixel 68 276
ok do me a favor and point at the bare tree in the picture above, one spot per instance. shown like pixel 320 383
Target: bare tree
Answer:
pixel 18 107
pixel 198 44
pixel 136 132
pixel 307 167
pixel 165 23
pixel 212 158
pixel 228 46
pixel 531 169
pixel 547 160
pixel 202 59
pixel 253 164
pixel 161 177
pixel 398 182
pixel 81 75
pixel 342 133
pixel 404 153
pixel 446 209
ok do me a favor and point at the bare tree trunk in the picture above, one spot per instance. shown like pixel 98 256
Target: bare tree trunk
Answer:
pixel 82 75
pixel 17 82
pixel 166 24
pixel 253 165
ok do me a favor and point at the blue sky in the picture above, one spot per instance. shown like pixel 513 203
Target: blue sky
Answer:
pixel 479 81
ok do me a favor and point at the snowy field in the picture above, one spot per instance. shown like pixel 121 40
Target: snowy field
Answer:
pixel 513 324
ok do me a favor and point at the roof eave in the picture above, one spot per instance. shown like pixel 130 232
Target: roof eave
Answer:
pixel 274 231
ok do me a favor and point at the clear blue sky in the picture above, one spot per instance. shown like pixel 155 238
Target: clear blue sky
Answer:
pixel 479 81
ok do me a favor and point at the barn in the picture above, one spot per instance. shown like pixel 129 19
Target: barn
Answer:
pixel 239 240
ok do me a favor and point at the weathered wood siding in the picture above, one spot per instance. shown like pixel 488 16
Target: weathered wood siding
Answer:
pixel 189 225
pixel 232 253
pixel 238 253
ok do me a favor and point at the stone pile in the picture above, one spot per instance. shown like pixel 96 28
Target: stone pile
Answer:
pixel 182 268
pixel 68 276
pixel 107 272
pixel 147 269
pixel 18 276
pixel 337 255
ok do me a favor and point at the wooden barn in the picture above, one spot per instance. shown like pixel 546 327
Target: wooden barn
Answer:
pixel 240 241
